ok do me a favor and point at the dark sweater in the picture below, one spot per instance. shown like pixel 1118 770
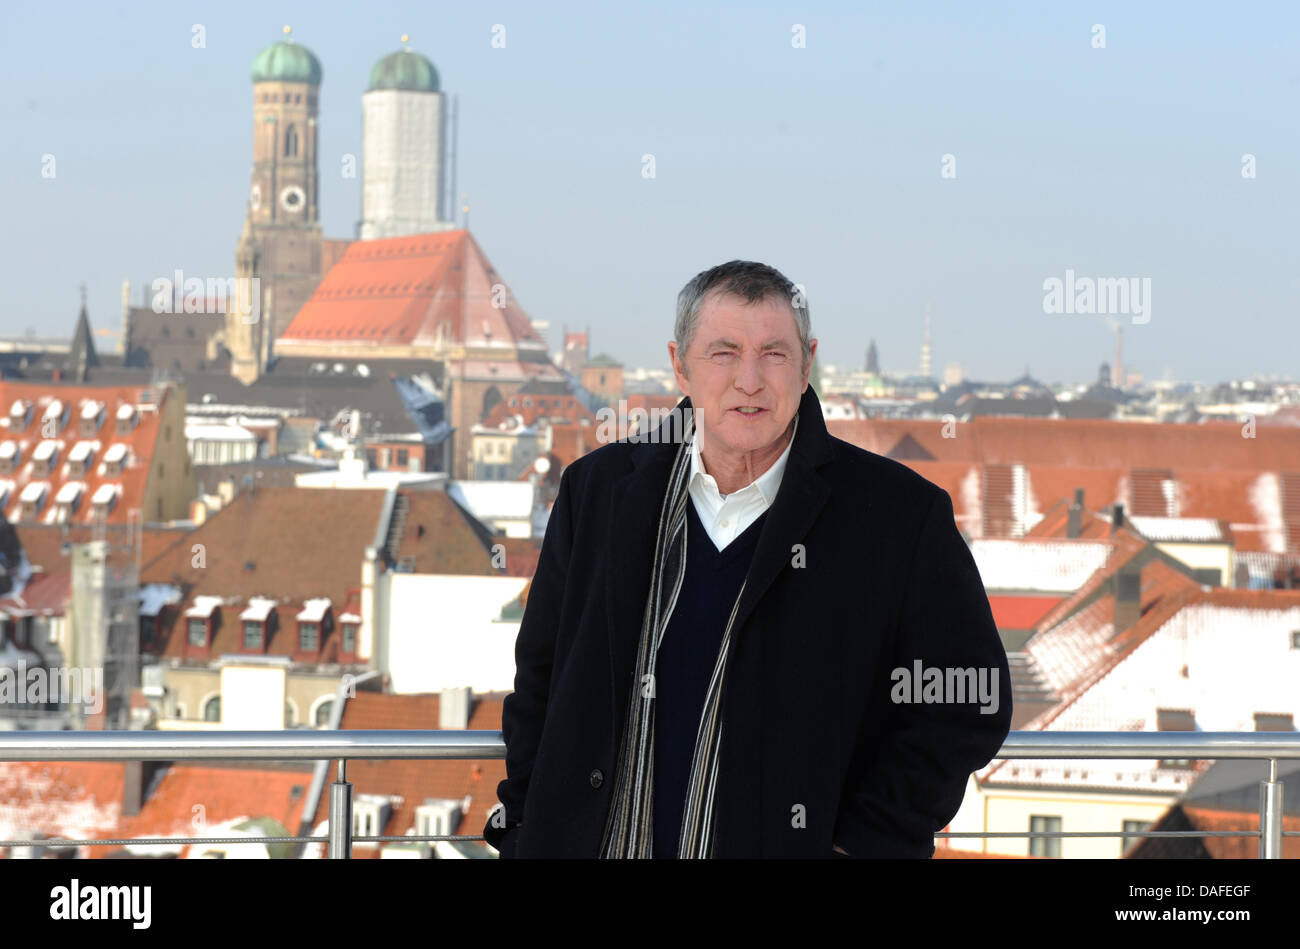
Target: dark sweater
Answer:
pixel 685 664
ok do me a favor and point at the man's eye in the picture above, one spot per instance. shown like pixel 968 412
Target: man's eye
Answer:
pixel 724 354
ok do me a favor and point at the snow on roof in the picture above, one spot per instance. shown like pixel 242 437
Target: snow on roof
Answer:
pixel 70 491
pixel 81 451
pixel 19 407
pixel 313 611
pixel 349 618
pixel 125 412
pixel 1048 565
pixel 91 408
pixel 489 499
pixel 154 596
pixel 106 493
pixel 54 409
pixel 203 607
pixel 34 491
pixel 8 450
pixel 217 432
pixel 45 450
pixel 116 452
pixel 1178 528
pixel 259 608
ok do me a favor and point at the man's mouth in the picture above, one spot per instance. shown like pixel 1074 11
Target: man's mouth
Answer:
pixel 749 411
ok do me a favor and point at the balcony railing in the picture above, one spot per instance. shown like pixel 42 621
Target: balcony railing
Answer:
pixel 342 746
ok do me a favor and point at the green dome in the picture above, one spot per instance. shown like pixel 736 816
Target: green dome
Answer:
pixel 406 70
pixel 286 61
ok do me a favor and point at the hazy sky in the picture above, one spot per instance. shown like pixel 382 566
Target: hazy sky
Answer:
pixel 824 161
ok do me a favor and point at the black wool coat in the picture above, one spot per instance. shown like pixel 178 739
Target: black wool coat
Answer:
pixel 859 571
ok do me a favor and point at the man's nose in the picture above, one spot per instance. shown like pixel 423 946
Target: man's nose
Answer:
pixel 749 375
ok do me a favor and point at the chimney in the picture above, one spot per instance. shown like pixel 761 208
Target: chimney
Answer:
pixel 133 788
pixel 1116 518
pixel 453 709
pixel 1074 526
pixel 135 785
pixel 1127 588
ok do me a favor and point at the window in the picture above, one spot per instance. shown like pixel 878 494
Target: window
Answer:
pixel 1045 846
pixel 371 458
pixel 212 709
pixel 1295 639
pixel 350 637
pixel 198 632
pixel 323 712
pixel 1132 826
pixel 291 142
pixel 252 634
pixel 146 631
pixel 403 457
pixel 308 637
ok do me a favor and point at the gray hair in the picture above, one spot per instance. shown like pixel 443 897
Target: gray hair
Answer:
pixel 752 282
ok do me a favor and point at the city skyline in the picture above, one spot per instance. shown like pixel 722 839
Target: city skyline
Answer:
pixel 1119 162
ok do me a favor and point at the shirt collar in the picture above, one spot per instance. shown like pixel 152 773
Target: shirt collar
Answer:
pixel 767 482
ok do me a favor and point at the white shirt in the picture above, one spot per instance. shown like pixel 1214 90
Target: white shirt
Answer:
pixel 725 518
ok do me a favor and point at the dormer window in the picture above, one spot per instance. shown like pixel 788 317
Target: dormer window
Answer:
pixel 370 813
pixel 32 499
pixel 349 643
pixel 126 418
pixel 256 623
pixel 53 420
pixel 438 818
pixel 10 453
pixel 66 501
pixel 311 624
pixel 92 417
pixel 19 415
pixel 79 459
pixel 200 621
pixel 44 457
pixel 103 500
pixel 114 460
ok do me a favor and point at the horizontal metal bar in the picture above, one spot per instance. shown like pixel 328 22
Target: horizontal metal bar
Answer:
pixel 1105 833
pixel 380 744
pixel 152 841
pixel 303 745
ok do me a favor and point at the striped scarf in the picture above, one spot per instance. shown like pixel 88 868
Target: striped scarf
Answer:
pixel 629 831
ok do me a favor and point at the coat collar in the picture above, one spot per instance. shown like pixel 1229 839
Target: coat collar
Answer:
pixel 634 520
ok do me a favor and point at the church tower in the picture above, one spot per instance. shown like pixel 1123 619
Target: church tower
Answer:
pixel 404 149
pixel 246 325
pixel 284 197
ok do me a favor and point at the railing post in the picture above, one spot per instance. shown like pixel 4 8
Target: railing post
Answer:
pixel 340 817
pixel 1270 815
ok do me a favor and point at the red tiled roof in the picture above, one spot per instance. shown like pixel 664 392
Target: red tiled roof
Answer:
pixel 224 793
pixel 416 780
pixel 95 435
pixel 286 543
pixel 1020 612
pixel 410 291
pixel 1083 443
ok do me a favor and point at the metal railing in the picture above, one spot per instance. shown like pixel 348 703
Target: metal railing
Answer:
pixel 342 746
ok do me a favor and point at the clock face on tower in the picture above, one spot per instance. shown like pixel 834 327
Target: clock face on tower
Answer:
pixel 255 197
pixel 292 198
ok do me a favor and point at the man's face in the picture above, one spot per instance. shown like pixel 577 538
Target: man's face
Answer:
pixel 743 356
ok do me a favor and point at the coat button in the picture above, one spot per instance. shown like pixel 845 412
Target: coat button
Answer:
pixel 597 779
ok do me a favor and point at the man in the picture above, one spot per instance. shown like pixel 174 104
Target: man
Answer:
pixel 717 654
